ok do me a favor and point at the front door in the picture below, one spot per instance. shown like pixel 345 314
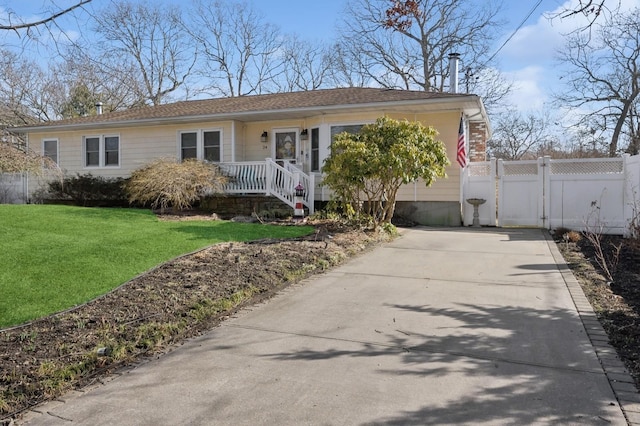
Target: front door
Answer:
pixel 286 146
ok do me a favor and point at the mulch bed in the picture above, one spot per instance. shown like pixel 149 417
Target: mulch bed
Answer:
pixel 616 302
pixel 157 310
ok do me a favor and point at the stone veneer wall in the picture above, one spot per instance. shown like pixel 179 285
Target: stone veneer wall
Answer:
pixel 477 141
pixel 228 206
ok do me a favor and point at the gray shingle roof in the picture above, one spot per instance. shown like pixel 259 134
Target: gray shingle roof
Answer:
pixel 315 99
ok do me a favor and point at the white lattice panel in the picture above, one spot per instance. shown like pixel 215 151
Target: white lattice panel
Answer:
pixel 575 167
pixel 479 169
pixel 520 168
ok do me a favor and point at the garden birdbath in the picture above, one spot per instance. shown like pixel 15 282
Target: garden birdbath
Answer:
pixel 476 202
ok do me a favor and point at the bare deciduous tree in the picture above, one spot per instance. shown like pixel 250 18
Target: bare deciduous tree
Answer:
pixel 148 38
pixel 633 128
pixel 27 93
pixel 592 9
pixel 306 65
pixel 585 143
pixel 516 136
pixel 348 67
pixel 490 84
pixel 405 44
pixel 15 23
pixel 584 7
pixel 240 53
pixel 605 75
pixel 116 87
pixel 41 27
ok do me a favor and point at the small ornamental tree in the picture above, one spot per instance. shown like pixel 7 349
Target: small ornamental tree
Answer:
pixel 168 183
pixel 14 159
pixel 365 170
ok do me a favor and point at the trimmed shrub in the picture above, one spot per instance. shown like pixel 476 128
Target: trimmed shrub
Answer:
pixel 89 190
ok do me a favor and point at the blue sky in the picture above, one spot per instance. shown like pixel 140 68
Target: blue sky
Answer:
pixel 529 61
pixel 528 58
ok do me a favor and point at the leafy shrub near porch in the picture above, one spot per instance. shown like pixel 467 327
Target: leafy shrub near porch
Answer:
pixel 87 189
pixel 365 170
pixel 165 183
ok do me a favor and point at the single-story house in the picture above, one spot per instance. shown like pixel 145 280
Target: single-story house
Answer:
pixel 269 143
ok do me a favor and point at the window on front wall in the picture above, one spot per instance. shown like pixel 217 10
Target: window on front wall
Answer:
pixel 188 145
pixel 352 128
pixel 101 151
pixel 92 152
pixel 201 144
pixel 111 151
pixel 315 150
pixel 50 149
pixel 211 146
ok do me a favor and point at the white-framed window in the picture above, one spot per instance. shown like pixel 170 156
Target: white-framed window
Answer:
pixel 188 145
pixel 101 150
pixel 50 149
pixel 350 128
pixel 212 145
pixel 111 150
pixel 203 144
pixel 315 149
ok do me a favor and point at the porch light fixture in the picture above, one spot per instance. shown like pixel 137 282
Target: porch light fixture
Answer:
pixel 304 135
pixel 264 137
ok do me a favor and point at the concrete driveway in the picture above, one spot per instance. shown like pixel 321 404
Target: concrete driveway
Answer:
pixel 441 326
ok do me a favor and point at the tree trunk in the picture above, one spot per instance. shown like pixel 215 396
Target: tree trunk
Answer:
pixel 627 105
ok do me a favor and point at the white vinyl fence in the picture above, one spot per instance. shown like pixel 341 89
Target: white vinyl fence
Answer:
pixel 546 193
pixel 13 188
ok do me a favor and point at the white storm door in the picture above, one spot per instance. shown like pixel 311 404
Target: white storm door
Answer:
pixel 286 146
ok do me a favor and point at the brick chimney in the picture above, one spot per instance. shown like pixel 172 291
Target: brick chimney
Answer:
pixel 477 141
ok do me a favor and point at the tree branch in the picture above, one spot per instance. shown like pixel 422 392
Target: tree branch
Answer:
pixel 44 21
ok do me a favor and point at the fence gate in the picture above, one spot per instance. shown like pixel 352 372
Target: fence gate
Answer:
pixel 521 193
pixel 545 193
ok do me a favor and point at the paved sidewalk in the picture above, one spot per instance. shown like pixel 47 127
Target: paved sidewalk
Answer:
pixel 441 326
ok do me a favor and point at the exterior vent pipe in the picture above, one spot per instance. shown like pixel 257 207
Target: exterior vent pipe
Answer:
pixel 99 108
pixel 454 60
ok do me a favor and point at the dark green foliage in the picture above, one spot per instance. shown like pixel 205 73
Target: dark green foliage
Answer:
pixel 89 190
pixel 366 170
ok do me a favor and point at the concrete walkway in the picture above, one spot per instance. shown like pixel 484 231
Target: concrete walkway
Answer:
pixel 441 326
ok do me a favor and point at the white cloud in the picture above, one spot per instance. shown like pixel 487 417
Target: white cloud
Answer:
pixel 529 58
pixel 532 44
pixel 537 43
pixel 528 92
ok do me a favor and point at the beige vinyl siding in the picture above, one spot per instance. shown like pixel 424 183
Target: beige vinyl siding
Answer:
pixel 141 144
pixel 444 189
pixel 252 148
pixel 138 146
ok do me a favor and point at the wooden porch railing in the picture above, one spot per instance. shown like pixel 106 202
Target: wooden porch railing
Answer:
pixel 269 178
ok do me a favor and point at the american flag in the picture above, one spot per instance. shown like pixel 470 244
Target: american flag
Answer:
pixel 461 151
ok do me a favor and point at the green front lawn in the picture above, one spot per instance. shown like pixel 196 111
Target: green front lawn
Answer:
pixel 55 257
